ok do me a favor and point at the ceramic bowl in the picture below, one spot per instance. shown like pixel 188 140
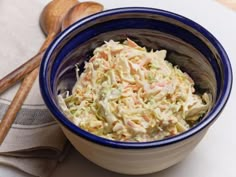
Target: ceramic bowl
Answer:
pixel 189 45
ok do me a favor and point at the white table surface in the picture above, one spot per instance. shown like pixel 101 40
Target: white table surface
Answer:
pixel 215 156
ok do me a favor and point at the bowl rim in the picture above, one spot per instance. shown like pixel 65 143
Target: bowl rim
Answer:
pixel 213 114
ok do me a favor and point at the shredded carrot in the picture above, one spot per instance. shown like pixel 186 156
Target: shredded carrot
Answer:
pixel 92 59
pixel 145 117
pixel 131 43
pixel 103 55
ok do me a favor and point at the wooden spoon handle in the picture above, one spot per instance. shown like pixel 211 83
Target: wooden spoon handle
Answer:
pixel 20 96
pixel 20 72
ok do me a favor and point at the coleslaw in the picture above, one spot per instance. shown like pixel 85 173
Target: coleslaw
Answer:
pixel 127 93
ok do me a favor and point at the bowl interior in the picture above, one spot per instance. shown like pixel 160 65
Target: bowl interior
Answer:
pixel 185 46
pixel 188 45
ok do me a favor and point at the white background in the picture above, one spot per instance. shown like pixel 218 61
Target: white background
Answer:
pixel 215 156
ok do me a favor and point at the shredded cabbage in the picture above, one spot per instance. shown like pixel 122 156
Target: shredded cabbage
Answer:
pixel 126 93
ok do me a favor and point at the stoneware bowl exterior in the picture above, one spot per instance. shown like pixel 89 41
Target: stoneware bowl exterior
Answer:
pixel 189 45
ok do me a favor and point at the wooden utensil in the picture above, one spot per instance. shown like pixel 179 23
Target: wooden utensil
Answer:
pixel 20 72
pixel 52 14
pixel 77 12
pixel 50 21
pixel 81 10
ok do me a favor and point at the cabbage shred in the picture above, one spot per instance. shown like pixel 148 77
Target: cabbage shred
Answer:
pixel 126 93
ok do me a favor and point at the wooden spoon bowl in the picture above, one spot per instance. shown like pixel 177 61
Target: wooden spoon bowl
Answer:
pixel 80 11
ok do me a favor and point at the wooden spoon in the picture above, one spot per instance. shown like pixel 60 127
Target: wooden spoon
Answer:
pixel 50 21
pixel 52 14
pixel 50 27
pixel 80 11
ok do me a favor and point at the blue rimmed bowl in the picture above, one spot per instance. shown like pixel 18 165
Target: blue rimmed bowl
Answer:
pixel 189 45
